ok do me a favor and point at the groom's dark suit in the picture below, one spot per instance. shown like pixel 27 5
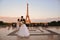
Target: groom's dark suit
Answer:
pixel 22 19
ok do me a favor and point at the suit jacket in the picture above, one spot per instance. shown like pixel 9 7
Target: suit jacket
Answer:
pixel 23 20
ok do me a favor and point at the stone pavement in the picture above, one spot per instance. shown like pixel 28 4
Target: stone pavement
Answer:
pixel 36 34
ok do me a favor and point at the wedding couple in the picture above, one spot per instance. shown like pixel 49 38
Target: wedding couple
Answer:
pixel 22 28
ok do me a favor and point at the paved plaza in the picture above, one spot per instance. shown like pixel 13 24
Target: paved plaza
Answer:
pixel 35 34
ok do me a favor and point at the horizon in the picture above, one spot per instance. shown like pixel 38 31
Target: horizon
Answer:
pixel 25 18
pixel 14 19
pixel 43 8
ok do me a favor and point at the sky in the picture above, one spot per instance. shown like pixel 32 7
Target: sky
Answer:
pixel 38 9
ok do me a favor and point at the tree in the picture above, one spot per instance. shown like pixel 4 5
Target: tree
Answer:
pixel 1 22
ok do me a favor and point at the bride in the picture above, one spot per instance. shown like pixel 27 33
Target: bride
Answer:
pixel 22 30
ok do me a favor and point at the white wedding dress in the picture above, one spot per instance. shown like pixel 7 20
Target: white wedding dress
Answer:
pixel 23 31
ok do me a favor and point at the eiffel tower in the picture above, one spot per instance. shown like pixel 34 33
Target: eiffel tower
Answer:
pixel 28 21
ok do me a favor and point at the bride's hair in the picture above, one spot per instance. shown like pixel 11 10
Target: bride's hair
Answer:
pixel 18 20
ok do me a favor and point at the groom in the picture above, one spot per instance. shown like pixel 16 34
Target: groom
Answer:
pixel 22 19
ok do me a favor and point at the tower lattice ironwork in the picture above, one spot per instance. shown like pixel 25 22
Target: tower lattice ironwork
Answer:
pixel 28 21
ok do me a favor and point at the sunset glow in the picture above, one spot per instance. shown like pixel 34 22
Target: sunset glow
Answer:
pixel 38 9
